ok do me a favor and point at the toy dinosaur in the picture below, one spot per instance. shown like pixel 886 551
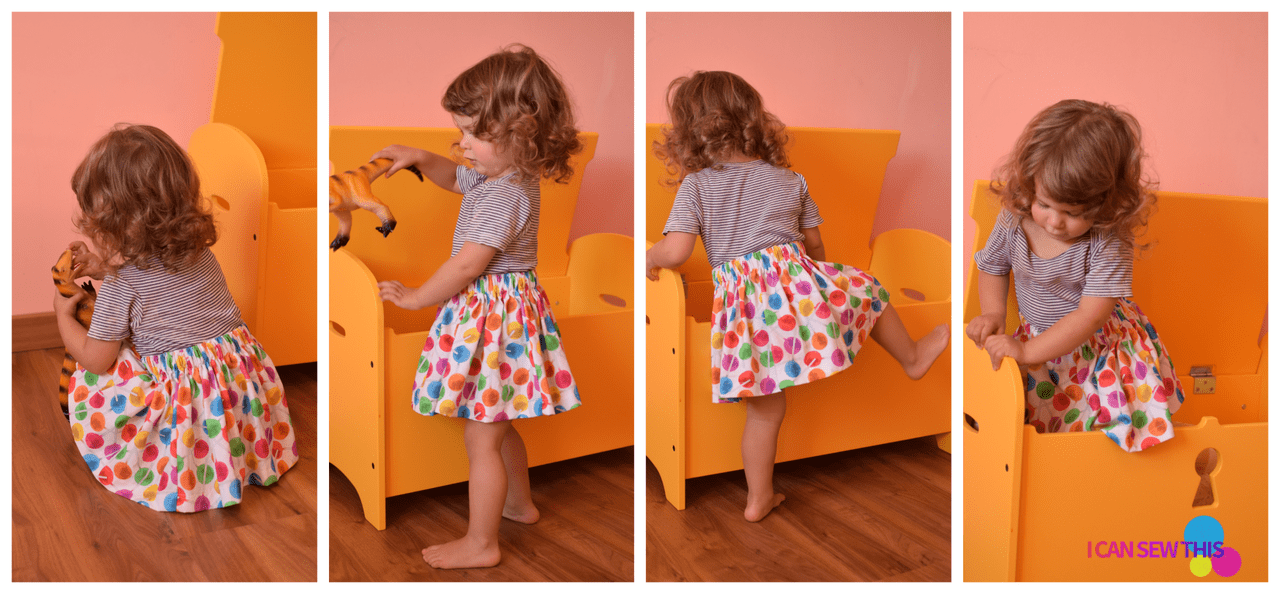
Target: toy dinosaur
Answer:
pixel 350 190
pixel 65 283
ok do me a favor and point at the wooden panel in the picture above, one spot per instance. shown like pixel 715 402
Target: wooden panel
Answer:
pixel 356 373
pixel 35 331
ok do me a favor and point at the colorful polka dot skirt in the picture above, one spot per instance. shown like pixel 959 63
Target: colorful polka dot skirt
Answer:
pixel 186 430
pixel 781 319
pixel 494 354
pixel 1120 382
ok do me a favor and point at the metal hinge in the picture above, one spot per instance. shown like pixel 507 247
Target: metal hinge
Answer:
pixel 1203 379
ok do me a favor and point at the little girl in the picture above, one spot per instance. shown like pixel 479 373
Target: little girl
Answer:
pixel 1073 196
pixel 193 410
pixel 782 316
pixel 494 353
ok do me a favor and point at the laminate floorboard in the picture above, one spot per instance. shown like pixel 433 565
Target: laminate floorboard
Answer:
pixel 874 514
pixel 586 532
pixel 67 527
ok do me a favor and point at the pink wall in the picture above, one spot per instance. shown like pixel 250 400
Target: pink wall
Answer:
pixel 74 76
pixel 1196 82
pixel 424 52
pixel 888 71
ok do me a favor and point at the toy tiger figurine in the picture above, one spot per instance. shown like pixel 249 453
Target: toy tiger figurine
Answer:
pixel 65 283
pixel 350 190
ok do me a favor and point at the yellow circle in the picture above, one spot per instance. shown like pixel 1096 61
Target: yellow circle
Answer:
pixel 806 307
pixel 717 340
pixel 515 330
pixel 140 439
pixel 150 493
pixel 520 403
pixel 492 360
pixel 77 432
pixel 1144 393
pixel 136 397
pixel 470 336
pixel 188 437
pixel 447 407
pixel 1201 566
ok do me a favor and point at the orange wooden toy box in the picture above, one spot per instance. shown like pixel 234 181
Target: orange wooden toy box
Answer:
pixel 1073 506
pixel 688 435
pixel 375 438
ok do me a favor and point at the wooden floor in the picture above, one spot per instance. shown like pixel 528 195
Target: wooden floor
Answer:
pixel 586 532
pixel 874 514
pixel 67 527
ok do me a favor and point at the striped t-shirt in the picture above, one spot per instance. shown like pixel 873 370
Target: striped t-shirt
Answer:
pixel 163 311
pixel 742 208
pixel 1097 266
pixel 501 213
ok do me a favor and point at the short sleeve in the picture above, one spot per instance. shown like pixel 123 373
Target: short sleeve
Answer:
pixel 501 211
pixel 994 258
pixel 1110 269
pixel 686 211
pixel 111 310
pixel 468 178
pixel 809 217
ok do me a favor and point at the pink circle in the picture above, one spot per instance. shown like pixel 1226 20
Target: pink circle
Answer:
pixel 563 378
pixel 1228 564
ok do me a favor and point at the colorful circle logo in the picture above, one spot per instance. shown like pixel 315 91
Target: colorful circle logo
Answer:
pixel 1206 529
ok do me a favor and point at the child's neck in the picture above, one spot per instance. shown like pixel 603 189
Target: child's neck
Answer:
pixel 736 157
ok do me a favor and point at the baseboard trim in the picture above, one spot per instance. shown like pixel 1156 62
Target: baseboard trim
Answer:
pixel 33 332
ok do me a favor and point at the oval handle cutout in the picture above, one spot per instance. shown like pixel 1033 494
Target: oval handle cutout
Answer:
pixel 970 422
pixel 1206 463
pixel 912 294
pixel 337 328
pixel 613 300
pixel 221 202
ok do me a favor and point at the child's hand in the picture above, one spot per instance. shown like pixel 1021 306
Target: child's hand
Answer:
pixel 999 346
pixel 984 326
pixel 85 262
pixel 403 156
pixel 651 269
pixel 397 293
pixel 66 306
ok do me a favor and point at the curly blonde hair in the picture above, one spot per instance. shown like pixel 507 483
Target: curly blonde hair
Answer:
pixel 140 198
pixel 714 115
pixel 519 103
pixel 1082 154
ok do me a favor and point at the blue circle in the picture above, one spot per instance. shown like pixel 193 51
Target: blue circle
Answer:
pixel 725 385
pixel 235 489
pixel 166 434
pixel 461 354
pixel 514 350
pixel 775 301
pixel 171 502
pixel 93 462
pixel 117 403
pixel 1203 529
pixel 433 389
pixel 215 406
pixel 793 368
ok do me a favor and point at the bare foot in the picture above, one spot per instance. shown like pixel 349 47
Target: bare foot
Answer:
pixel 461 553
pixel 927 350
pixel 756 511
pixel 525 515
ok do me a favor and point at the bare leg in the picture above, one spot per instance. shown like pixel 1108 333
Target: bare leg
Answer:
pixel 759 450
pixel 487 489
pixel 916 356
pixel 519 505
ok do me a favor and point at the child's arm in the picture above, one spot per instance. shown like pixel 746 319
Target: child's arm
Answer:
pixel 993 294
pixel 452 276
pixel 1061 338
pixel 813 244
pixel 438 169
pixel 670 252
pixel 97 356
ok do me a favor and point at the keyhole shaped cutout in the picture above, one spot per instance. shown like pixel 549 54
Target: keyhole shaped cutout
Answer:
pixel 1206 463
